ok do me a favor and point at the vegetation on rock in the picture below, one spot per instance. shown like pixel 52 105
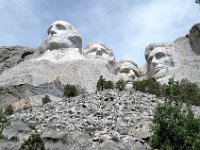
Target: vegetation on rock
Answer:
pixel 109 85
pixel 3 121
pixel 9 110
pixel 34 142
pixel 120 85
pixel 149 86
pixel 186 91
pixel 174 124
pixel 46 99
pixel 102 84
pixel 70 91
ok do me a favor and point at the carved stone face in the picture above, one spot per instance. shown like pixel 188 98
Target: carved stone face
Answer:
pixel 159 62
pixel 98 51
pixel 63 35
pixel 128 72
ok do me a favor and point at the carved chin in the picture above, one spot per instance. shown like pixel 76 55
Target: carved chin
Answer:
pixel 128 86
pixel 159 74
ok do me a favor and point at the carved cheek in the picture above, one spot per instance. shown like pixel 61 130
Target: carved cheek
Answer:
pixel 167 61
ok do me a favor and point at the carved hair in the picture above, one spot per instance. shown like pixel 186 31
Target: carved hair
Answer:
pixel 90 45
pixel 151 47
pixel 119 63
pixel 124 61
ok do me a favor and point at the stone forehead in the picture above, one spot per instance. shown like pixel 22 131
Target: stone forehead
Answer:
pixel 97 45
pixel 91 45
pixel 61 22
pixel 159 49
pixel 127 63
pixel 66 24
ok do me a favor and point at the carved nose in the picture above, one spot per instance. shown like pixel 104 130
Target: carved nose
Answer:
pixel 154 62
pixel 52 32
pixel 99 53
pixel 131 74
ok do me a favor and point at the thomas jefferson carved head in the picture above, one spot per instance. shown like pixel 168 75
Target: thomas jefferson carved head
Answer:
pixel 159 60
pixel 62 34
pixel 98 51
pixel 128 71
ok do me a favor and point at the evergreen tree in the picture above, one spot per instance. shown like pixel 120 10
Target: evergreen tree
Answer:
pixel 34 142
pixel 70 91
pixel 100 83
pixel 120 85
pixel 46 99
pixel 175 126
pixel 108 85
pixel 3 121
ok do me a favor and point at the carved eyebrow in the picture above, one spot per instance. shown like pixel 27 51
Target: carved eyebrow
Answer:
pixel 60 26
pixel 124 70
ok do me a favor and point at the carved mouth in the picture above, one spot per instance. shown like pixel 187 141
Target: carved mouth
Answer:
pixel 129 82
pixel 157 69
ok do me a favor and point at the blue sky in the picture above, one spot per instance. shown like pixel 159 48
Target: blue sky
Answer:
pixel 126 26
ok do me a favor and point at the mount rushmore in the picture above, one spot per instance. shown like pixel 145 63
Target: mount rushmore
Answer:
pixel 109 119
pixel 61 60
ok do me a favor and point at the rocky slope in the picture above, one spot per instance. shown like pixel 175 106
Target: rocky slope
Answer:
pixel 106 120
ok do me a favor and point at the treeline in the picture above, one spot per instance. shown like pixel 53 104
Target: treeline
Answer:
pixel 184 90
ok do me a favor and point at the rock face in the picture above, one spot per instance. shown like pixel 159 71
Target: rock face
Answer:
pixel 79 72
pixel 26 92
pixel 12 55
pixel 195 38
pixel 59 59
pixel 179 59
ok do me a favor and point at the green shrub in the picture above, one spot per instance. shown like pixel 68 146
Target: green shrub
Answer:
pixel 9 110
pixel 108 85
pixel 102 84
pixel 175 126
pixel 46 99
pixel 70 91
pixel 149 86
pixel 120 85
pixel 34 142
pixel 190 92
pixel 3 121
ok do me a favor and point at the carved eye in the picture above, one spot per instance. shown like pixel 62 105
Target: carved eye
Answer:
pixel 150 59
pixel 93 50
pixel 60 27
pixel 104 51
pixel 124 70
pixel 160 55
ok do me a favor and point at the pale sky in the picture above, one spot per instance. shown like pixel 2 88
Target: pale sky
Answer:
pixel 126 26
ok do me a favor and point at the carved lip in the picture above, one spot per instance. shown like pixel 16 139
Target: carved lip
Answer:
pixel 129 82
pixel 158 69
pixel 53 36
